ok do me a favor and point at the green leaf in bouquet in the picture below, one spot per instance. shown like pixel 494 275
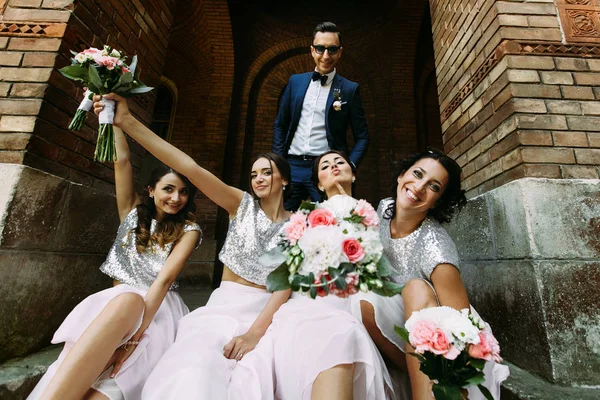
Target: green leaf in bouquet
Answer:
pixel 274 256
pixel 75 72
pixel 313 292
pixel 133 64
pixel 477 363
pixel 388 289
pixel 307 282
pixel 486 393
pixel 402 332
pixel 95 80
pixel 73 52
pixel 126 78
pixel 296 281
pixel 446 392
pixel 278 279
pixel 140 89
pixel 384 267
pixel 476 379
pixel 307 205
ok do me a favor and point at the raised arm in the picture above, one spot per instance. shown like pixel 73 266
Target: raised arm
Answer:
pixel 127 198
pixel 222 194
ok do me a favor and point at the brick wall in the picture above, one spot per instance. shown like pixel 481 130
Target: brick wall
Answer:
pixel 36 102
pixel 515 100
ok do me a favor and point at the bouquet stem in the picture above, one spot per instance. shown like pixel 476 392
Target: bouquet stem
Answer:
pixel 78 120
pixel 105 146
pixel 84 107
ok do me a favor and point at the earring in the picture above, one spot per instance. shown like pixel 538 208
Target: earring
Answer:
pixel 151 196
pixel 353 180
pixel 284 187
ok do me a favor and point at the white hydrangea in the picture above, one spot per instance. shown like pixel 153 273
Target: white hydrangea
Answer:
pixel 322 247
pixel 371 242
pixel 340 206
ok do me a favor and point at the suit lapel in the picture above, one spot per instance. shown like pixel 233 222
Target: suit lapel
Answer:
pixel 335 85
pixel 300 95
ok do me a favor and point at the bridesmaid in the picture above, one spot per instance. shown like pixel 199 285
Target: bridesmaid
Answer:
pixel 214 338
pixel 115 337
pixel 427 192
pixel 315 349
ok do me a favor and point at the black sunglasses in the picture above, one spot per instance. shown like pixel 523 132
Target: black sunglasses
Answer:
pixel 320 49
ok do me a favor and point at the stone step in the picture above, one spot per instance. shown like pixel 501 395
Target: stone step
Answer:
pixel 522 385
pixel 19 376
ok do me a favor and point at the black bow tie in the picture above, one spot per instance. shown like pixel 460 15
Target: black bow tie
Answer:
pixel 316 76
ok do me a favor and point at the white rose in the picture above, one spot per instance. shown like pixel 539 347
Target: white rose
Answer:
pixel 340 205
pixel 115 53
pixel 81 58
pixel 337 105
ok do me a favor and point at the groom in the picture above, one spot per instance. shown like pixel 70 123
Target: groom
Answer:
pixel 315 111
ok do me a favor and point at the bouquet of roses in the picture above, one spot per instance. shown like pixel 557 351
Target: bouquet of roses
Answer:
pixel 453 347
pixel 331 248
pixel 103 71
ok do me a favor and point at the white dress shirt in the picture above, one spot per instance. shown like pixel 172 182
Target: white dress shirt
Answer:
pixel 310 137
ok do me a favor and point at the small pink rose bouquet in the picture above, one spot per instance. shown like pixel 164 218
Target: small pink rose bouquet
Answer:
pixel 103 71
pixel 331 248
pixel 453 347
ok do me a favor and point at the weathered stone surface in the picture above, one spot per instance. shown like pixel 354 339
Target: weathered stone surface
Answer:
pixel 522 385
pixel 34 210
pixel 505 293
pixel 89 221
pixel 569 291
pixel 19 376
pixel 37 291
pixel 470 230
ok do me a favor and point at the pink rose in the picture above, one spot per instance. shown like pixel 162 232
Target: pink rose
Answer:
pixel 295 227
pixel 439 342
pixel 353 250
pixel 92 50
pixel 321 216
pixel 452 353
pixel 365 209
pixel 421 334
pixel 351 286
pixel 487 349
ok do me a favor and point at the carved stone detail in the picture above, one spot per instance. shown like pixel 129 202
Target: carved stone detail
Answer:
pixel 31 29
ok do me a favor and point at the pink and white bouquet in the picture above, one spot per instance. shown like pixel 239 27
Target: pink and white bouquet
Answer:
pixel 453 347
pixel 331 248
pixel 103 71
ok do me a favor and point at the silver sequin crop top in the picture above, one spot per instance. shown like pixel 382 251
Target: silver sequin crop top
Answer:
pixel 139 270
pixel 251 234
pixel 416 255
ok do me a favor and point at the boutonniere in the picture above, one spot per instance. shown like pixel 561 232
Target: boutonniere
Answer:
pixel 337 99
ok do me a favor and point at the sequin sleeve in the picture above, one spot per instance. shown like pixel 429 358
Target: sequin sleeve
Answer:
pixel 438 248
pixel 194 227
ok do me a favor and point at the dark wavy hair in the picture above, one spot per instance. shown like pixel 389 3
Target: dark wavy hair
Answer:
pixel 453 199
pixel 170 228
pixel 315 171
pixel 327 27
pixel 284 170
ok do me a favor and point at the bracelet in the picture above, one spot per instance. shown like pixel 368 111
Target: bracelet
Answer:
pixel 129 343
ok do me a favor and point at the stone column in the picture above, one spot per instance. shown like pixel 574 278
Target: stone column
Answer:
pixel 520 113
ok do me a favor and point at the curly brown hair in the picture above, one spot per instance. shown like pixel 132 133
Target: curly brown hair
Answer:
pixel 452 200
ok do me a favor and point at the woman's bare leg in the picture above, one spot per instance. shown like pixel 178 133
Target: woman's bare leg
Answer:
pixel 336 383
pixel 389 349
pixel 417 295
pixel 89 355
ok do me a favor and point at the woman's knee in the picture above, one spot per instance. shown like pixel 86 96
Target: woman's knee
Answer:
pixel 417 294
pixel 127 303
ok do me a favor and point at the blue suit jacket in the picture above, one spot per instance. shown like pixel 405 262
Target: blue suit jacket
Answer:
pixel 336 122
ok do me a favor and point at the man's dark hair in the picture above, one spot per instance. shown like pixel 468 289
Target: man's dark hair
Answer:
pixel 327 27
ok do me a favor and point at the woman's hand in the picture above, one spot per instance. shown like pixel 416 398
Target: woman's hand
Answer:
pixel 121 111
pixel 119 357
pixel 339 187
pixel 240 345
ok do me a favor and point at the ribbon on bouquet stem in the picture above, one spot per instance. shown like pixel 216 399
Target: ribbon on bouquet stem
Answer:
pixel 86 104
pixel 107 115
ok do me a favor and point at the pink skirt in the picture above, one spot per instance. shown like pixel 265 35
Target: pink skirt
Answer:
pixel 195 367
pixel 153 344
pixel 306 338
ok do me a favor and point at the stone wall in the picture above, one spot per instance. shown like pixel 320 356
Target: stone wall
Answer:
pixel 530 253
